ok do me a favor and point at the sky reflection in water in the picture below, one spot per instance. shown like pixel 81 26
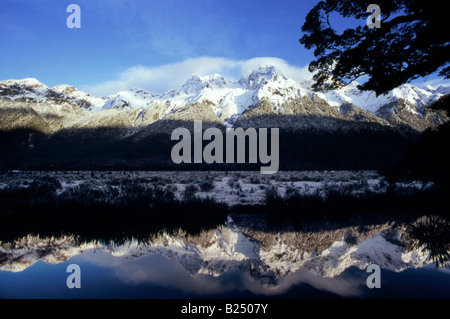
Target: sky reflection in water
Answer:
pixel 156 276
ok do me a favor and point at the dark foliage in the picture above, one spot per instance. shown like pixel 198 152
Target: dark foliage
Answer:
pixel 427 158
pixel 442 104
pixel 134 212
pixel 362 146
pixel 206 186
pixel 340 205
pixel 432 235
pixel 411 43
pixel 189 192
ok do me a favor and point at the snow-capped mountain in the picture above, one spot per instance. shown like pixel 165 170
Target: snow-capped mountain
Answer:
pixel 369 101
pixel 132 99
pixel 227 99
pixel 230 100
pixel 262 97
pixel 32 91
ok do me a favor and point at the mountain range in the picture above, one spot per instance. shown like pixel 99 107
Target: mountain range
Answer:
pixel 63 127
pixel 256 99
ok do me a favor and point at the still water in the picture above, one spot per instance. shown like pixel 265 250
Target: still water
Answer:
pixel 228 262
pixel 104 276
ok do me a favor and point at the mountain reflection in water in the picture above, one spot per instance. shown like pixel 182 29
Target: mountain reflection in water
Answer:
pixel 238 257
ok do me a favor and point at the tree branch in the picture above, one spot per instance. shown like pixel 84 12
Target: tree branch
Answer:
pixel 328 21
pixel 403 19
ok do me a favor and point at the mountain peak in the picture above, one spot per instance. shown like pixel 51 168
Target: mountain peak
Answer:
pixel 269 72
pixel 262 75
pixel 132 98
pixel 27 82
pixel 197 83
pixel 217 80
pixel 65 89
pixel 193 84
pixel 252 80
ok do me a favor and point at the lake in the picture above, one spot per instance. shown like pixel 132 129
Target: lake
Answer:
pixel 225 263
pixel 242 255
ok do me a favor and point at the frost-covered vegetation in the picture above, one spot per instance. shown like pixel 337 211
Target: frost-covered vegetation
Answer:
pixel 102 204
pixel 234 188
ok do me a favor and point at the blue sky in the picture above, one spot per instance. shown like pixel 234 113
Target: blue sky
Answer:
pixel 152 44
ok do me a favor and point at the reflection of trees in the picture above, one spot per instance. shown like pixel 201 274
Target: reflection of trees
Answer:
pixel 432 235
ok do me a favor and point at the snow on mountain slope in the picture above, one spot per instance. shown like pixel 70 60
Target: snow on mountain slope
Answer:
pixel 31 83
pixel 84 100
pixel 30 90
pixel 271 84
pixel 132 99
pixel 229 100
pixel 215 89
pixel 368 100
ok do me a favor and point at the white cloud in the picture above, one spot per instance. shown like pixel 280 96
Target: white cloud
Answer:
pixel 162 78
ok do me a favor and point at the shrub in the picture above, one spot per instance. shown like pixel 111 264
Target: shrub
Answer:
pixel 254 179
pixel 206 186
pixel 231 181
pixel 45 186
pixel 237 186
pixel 92 214
pixel 190 191
pixel 432 236
pixel 272 194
